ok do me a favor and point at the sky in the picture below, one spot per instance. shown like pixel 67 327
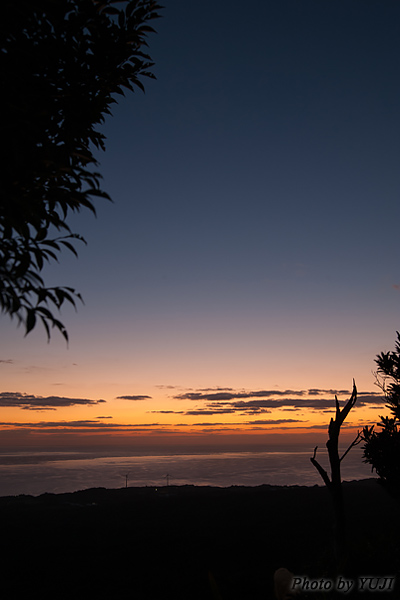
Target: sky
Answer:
pixel 248 268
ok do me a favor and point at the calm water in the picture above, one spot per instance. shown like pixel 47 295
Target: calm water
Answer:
pixel 39 472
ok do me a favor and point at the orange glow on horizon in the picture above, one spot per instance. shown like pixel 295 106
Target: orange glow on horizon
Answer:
pixel 72 404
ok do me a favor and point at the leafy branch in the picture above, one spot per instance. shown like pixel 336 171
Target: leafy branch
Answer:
pixel 64 62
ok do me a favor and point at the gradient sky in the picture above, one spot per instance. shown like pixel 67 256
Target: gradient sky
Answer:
pixel 251 252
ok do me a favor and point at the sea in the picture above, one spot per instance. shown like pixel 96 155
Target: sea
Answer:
pixel 38 472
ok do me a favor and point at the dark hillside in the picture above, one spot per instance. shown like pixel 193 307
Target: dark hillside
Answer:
pixel 188 542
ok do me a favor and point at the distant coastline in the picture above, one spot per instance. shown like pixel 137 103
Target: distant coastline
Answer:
pixel 58 472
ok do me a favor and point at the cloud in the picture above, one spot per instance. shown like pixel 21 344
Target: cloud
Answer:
pixel 232 395
pixel 275 421
pixel 318 392
pixel 167 412
pixel 258 406
pixel 205 424
pixel 217 402
pixel 133 397
pixel 214 389
pixel 31 402
pixel 211 411
pixel 82 426
pixel 324 426
pixel 364 398
pixel 7 361
pixel 168 387
pixel 220 394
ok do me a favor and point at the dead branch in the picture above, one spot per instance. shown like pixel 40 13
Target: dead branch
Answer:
pixel 320 469
pixel 355 442
pixel 334 482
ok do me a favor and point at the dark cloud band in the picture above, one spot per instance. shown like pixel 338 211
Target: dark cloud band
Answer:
pixel 138 397
pixel 31 402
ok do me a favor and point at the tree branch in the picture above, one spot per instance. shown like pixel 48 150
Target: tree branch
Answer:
pixel 320 469
pixel 355 442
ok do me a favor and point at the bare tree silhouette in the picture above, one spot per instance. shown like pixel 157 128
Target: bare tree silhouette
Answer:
pixel 334 482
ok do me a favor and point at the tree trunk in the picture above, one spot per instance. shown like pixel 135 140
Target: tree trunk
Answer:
pixel 334 483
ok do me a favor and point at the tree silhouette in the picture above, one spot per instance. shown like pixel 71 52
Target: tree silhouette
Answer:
pixel 334 482
pixel 61 63
pixel 382 448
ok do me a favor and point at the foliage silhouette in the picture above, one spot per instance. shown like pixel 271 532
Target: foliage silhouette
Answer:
pixel 382 448
pixel 62 62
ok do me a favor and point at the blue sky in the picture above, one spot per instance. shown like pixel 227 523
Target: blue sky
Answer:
pixel 253 238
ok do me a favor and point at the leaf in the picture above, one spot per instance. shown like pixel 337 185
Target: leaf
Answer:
pixel 30 321
pixel 70 247
pixel 41 234
pixel 46 326
pixel 109 10
pixel 39 259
